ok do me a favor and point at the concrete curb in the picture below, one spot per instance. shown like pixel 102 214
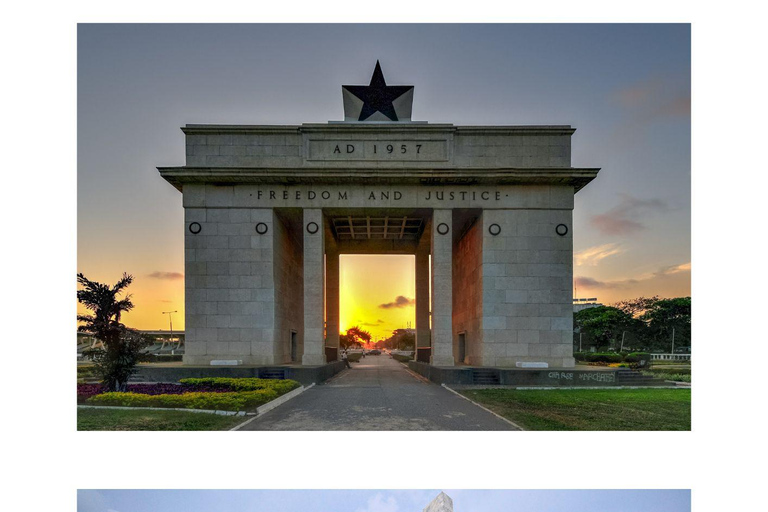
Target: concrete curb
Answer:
pixel 515 425
pixel 553 388
pixel 205 411
pixel 274 403
pixel 416 376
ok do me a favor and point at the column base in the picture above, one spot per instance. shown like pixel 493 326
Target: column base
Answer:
pixel 331 353
pixel 312 360
pixel 443 361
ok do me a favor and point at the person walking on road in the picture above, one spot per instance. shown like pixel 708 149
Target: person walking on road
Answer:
pixel 344 358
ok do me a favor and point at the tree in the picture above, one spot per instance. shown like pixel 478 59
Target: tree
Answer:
pixel 354 336
pixel 402 339
pixel 665 315
pixel 636 307
pixel 123 347
pixel 604 325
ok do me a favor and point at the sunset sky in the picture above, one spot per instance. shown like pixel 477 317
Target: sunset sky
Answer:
pixel 626 88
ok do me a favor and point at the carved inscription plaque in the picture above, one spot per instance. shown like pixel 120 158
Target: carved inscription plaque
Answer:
pixel 378 150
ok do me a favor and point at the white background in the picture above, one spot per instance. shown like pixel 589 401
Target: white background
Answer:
pixel 46 460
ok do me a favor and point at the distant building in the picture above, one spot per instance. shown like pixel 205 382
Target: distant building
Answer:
pixel 582 304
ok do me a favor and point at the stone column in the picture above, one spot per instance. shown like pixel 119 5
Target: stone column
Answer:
pixel 313 288
pixel 332 301
pixel 423 333
pixel 442 288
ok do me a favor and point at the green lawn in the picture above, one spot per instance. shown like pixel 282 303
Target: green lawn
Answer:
pixel 137 419
pixel 590 409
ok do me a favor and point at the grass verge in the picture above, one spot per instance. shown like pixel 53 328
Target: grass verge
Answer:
pixel 138 419
pixel 590 409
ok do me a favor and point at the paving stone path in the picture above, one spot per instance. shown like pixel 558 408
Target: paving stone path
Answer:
pixel 378 393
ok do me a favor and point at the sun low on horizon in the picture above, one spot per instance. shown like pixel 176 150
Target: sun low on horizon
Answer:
pixel 377 292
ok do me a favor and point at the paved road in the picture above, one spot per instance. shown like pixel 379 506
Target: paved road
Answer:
pixel 378 393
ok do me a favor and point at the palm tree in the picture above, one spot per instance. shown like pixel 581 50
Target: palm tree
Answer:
pixel 104 324
pixel 123 347
pixel 358 336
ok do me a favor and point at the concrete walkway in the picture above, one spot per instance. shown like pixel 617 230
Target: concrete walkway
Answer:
pixel 378 393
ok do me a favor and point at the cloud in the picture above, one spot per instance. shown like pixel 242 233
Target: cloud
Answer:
pixel 166 275
pixel 637 94
pixel 591 283
pixel 377 503
pixel 624 218
pixel 400 302
pixel 680 106
pixel 673 269
pixel 372 324
pixel 656 98
pixel 593 255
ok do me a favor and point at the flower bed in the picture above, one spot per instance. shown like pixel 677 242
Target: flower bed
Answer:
pixel 214 393
pixel 86 391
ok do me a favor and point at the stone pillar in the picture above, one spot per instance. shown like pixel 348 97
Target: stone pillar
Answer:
pixel 529 318
pixel 229 285
pixel 423 333
pixel 313 288
pixel 442 288
pixel 331 301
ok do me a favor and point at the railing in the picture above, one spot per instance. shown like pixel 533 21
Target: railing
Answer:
pixel 670 357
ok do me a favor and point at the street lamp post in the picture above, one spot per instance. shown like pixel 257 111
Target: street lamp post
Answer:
pixel 170 320
pixel 673 342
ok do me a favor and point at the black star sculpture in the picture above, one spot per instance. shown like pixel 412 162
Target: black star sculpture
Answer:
pixel 389 100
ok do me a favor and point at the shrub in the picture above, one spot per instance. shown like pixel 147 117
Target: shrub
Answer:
pixel 248 384
pixel 226 394
pixel 580 356
pixel 604 357
pixel 354 357
pixel 636 357
pixel 661 369
pixel 677 377
pixel 402 358
pixel 84 373
pixel 166 358
pixel 85 391
pixel 84 370
pixel 227 401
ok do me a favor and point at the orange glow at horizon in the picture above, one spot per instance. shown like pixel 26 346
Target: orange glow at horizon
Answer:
pixel 150 297
pixel 368 281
